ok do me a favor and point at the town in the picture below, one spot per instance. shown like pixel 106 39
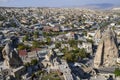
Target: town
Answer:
pixel 59 44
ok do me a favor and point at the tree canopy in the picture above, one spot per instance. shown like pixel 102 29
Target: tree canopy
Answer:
pixel 21 46
pixel 74 55
pixel 35 44
pixel 117 72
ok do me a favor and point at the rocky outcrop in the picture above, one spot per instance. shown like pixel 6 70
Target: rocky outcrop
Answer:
pixel 98 34
pixel 51 55
pixel 107 51
pixel 11 58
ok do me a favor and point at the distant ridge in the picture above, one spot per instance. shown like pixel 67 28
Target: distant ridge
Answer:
pixel 100 6
pixel 87 6
pixel 116 8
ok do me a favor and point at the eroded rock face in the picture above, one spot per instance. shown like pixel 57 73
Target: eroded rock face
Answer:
pixel 98 34
pixel 11 58
pixel 107 51
pixel 51 55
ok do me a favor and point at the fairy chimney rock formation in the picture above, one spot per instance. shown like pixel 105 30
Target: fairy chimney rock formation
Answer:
pixel 11 57
pixel 107 51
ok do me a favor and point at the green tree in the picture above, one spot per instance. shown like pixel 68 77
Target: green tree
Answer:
pixel 58 45
pixel 36 34
pixel 48 39
pixel 26 38
pixel 73 55
pixel 117 72
pixel 2 18
pixel 21 46
pixel 65 50
pixel 42 43
pixel 73 43
pixel 118 23
pixel 27 64
pixel 82 53
pixel 113 27
pixel 68 57
pixel 34 62
pixel 35 44
pixel 40 72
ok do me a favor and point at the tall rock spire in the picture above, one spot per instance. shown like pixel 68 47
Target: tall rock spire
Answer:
pixel 107 51
pixel 11 57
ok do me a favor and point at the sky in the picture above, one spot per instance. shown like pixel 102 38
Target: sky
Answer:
pixel 53 3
